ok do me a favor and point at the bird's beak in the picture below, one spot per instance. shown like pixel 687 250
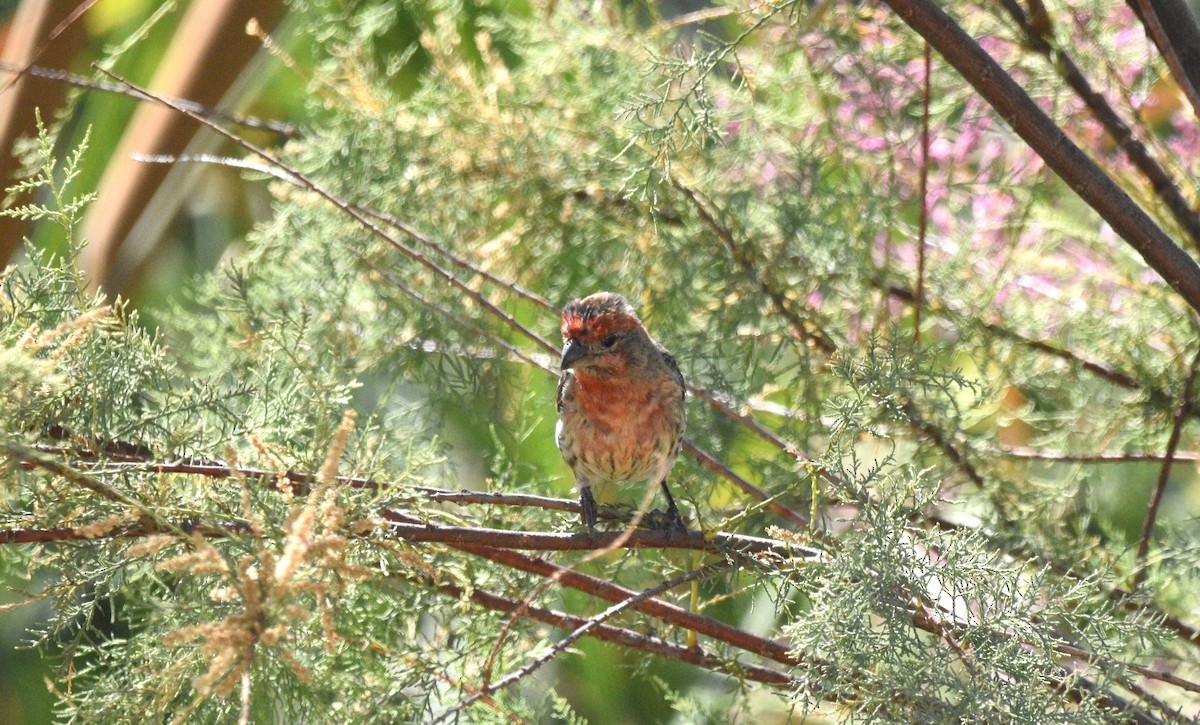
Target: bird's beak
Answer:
pixel 573 352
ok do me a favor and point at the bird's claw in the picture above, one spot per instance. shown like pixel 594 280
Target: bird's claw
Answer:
pixel 669 521
pixel 588 511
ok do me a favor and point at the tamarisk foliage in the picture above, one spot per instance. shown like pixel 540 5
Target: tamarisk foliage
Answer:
pixel 250 512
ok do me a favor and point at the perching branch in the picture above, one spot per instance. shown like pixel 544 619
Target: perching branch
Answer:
pixel 416 530
pixel 411 529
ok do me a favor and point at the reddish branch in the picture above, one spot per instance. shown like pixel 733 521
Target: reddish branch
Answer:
pixel 416 530
pixel 1172 27
pixel 715 465
pixel 412 529
pixel 923 198
pixel 1036 38
pixel 626 638
pixel 818 338
pixel 590 624
pixel 1164 474
pixel 670 613
pixel 1045 137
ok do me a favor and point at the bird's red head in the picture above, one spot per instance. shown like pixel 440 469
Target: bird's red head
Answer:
pixel 594 318
pixel 600 333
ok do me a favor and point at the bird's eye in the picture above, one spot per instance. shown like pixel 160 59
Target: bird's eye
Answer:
pixel 609 341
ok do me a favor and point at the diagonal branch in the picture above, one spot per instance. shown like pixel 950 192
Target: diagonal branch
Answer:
pixel 280 127
pixel 1045 137
pixel 667 612
pixel 1164 474
pixel 626 638
pixel 1173 29
pixel 802 324
pixel 573 637
pixel 1167 190
pixel 1099 368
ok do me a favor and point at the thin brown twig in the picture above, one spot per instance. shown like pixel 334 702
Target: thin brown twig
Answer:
pixel 715 465
pixel 1096 367
pixel 134 531
pixel 922 197
pixel 665 611
pixel 815 336
pixel 1164 20
pixel 574 636
pixel 440 674
pixel 616 543
pixel 1038 454
pixel 349 209
pixel 217 469
pixel 454 317
pixel 698 16
pixel 925 614
pixel 1146 672
pixel 802 326
pixel 1044 136
pixel 626 637
pixel 1164 474
pixel 929 617
pixel 78 81
pixel 389 219
pixel 58 30
pixel 1038 31
pixel 411 528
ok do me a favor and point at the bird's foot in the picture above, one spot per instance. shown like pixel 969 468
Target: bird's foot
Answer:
pixel 587 506
pixel 670 521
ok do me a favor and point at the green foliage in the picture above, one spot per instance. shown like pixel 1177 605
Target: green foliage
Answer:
pixel 752 191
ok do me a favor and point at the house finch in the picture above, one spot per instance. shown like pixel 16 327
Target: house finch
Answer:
pixel 620 401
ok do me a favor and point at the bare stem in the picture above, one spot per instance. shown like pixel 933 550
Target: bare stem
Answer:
pixel 1164 474
pixel 589 625
pixel 1044 136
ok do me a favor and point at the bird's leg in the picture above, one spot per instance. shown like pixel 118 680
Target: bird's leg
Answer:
pixel 587 504
pixel 674 519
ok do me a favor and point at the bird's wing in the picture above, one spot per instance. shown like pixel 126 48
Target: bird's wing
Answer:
pixel 673 367
pixel 558 396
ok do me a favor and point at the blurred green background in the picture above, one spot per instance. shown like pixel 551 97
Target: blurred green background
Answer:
pixel 208 209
